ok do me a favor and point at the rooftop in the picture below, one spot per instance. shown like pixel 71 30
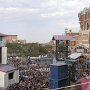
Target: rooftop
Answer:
pixel 6 68
pixel 12 35
pixel 3 35
pixel 62 37
pixel 59 63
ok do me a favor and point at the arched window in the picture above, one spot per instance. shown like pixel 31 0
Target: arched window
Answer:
pixel 82 27
pixel 80 49
pixel 87 26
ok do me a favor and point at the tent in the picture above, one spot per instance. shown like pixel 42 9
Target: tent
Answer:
pixel 75 55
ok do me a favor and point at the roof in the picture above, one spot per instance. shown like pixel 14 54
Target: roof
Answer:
pixel 11 35
pixel 3 35
pixel 75 55
pixel 59 63
pixel 6 68
pixel 71 60
pixel 62 37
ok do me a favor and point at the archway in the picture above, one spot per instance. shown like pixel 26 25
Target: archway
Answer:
pixel 80 49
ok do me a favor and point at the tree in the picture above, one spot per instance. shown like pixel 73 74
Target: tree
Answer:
pixel 30 49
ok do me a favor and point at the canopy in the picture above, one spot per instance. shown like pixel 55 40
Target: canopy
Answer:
pixel 75 55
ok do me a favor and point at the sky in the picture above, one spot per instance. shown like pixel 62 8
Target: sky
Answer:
pixel 39 20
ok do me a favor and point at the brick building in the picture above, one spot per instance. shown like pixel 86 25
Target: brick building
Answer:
pixel 14 39
pixel 11 38
pixel 84 33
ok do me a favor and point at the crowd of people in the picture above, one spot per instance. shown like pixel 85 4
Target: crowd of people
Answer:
pixel 32 74
pixel 82 69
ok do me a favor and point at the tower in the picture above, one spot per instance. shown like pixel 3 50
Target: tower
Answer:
pixel 84 32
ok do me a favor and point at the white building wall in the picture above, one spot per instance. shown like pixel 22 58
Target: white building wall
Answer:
pixel 4 55
pixel 6 80
pixel 2 79
pixel 15 79
pixel 16 76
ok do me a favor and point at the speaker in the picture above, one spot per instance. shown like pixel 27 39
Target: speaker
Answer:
pixel 53 84
pixel 58 71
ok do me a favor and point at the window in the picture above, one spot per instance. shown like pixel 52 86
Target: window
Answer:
pixel 82 27
pixel 87 26
pixel 10 76
pixel 0 38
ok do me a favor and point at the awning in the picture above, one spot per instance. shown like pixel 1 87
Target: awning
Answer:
pixel 75 55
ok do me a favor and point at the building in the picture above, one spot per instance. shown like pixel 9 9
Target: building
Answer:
pixel 21 41
pixel 11 38
pixel 75 36
pixel 8 75
pixel 2 39
pixel 61 45
pixel 70 33
pixel 3 49
pixel 81 41
pixel 84 33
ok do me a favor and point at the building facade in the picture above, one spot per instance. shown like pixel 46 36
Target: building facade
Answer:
pixel 3 49
pixel 14 39
pixel 84 33
pixel 81 41
pixel 8 76
pixel 21 41
pixel 11 38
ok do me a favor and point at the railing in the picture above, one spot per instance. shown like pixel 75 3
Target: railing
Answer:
pixel 80 86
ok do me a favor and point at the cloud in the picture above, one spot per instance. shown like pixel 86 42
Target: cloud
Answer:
pixel 53 14
pixel 41 18
pixel 62 8
pixel 69 24
pixel 18 10
pixel 49 3
pixel 16 13
pixel 12 1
